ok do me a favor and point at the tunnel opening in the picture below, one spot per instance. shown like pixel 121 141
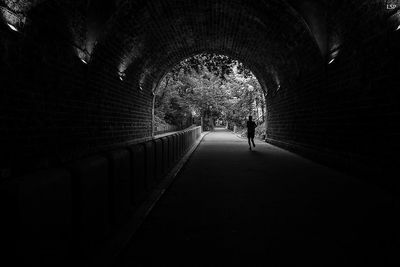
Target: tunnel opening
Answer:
pixel 77 99
pixel 209 90
pixel 87 79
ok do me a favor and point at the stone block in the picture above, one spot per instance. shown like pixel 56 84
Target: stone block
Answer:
pixel 175 147
pixel 166 155
pixel 120 187
pixel 159 161
pixel 150 164
pixel 138 182
pixel 90 185
pixel 170 151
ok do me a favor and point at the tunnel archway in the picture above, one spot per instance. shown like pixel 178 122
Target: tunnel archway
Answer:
pixel 143 41
pixel 287 44
pixel 267 36
pixel 77 80
pixel 252 68
pixel 204 80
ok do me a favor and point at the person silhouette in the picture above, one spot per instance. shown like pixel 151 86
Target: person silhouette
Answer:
pixel 251 128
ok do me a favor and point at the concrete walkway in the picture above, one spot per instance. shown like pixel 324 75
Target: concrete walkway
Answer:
pixel 233 207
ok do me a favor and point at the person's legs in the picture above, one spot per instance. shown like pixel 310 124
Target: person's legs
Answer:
pixel 248 140
pixel 252 140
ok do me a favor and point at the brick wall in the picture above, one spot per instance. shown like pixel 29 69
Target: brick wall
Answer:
pixel 55 109
pixel 345 116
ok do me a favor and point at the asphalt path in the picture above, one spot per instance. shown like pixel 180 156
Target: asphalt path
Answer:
pixel 230 206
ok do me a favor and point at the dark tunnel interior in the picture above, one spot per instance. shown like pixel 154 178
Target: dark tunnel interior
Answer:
pixel 78 149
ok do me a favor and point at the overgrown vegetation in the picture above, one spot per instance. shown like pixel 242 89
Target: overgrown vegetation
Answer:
pixel 214 87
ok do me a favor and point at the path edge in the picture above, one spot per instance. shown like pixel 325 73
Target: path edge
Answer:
pixel 115 246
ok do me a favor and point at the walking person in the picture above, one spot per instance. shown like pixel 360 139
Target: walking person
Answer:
pixel 251 129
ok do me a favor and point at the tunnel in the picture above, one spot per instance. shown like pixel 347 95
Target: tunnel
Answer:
pixel 79 156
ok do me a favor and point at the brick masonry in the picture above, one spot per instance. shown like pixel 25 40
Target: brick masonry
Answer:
pixel 81 121
pixel 56 109
pixel 346 116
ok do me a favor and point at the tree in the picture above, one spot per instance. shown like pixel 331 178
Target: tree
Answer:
pixel 219 65
pixel 212 87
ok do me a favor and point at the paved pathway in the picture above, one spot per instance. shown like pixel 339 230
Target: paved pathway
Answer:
pixel 233 207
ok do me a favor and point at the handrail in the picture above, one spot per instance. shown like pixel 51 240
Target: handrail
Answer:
pixel 170 133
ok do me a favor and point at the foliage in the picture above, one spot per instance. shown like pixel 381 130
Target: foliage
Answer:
pixel 219 65
pixel 214 87
pixel 159 121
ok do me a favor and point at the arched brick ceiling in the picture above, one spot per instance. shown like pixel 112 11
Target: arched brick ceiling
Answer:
pixel 21 5
pixel 278 39
pixel 345 21
pixel 150 37
pixel 272 37
pixel 351 22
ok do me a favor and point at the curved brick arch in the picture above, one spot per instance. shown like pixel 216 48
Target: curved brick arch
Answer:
pixel 346 21
pixel 145 38
pixel 264 79
pixel 149 40
pixel 143 35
